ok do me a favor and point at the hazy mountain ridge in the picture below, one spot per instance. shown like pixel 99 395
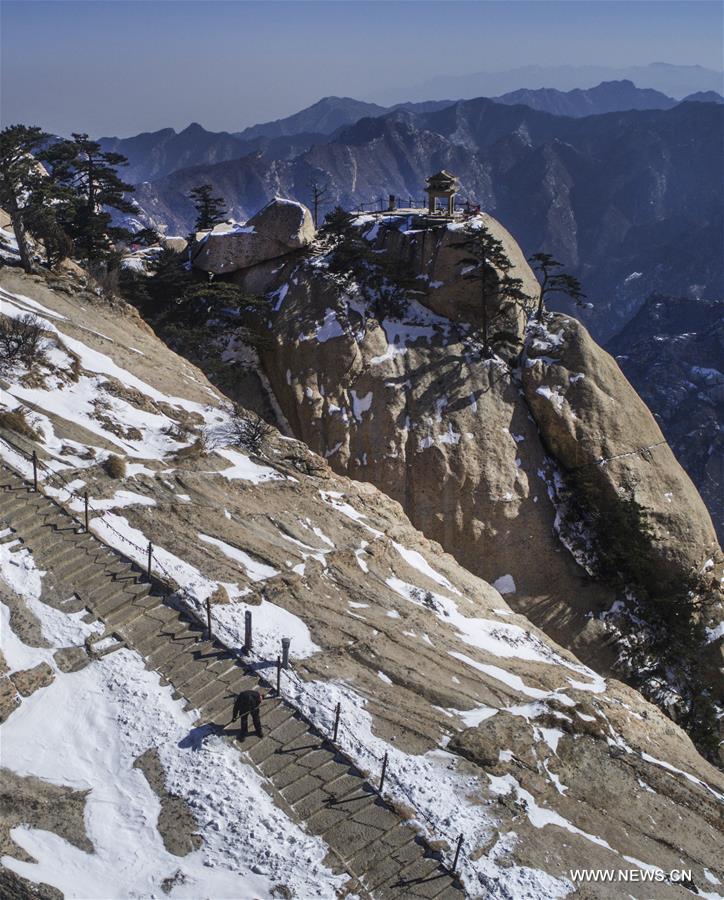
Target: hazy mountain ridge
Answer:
pixel 153 155
pixel 609 96
pixel 674 80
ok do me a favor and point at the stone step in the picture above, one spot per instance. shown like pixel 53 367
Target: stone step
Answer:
pixel 223 674
pixel 52 546
pixel 115 642
pixel 328 818
pixel 111 602
pixel 172 641
pixel 85 567
pixel 276 734
pixel 76 565
pixel 184 667
pixel 33 517
pixel 134 609
pixel 306 752
pixel 146 633
pixel 423 877
pixel 102 595
pixel 222 703
pixel 155 646
pixel 339 783
pixel 14 503
pixel 233 681
pixel 385 866
pixel 403 872
pixel 52 549
pixel 368 860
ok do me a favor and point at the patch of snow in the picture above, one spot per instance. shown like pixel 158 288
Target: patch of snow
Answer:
pixel 360 405
pixel 253 569
pixel 244 468
pixel 505 584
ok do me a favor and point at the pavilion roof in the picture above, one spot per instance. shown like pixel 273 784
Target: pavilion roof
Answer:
pixel 442 179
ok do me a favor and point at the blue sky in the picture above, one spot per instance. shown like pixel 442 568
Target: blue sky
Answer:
pixel 122 66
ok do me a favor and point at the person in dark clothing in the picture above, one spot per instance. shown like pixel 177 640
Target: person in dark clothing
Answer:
pixel 248 703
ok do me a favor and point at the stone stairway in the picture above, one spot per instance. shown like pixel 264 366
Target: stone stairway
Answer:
pixel 307 776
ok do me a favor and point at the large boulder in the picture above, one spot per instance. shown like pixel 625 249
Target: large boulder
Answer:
pixel 280 228
pixel 646 508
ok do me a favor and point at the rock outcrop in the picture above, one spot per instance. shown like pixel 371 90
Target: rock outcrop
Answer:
pixel 280 228
pixel 470 446
pixel 625 475
pixel 439 263
pixel 408 405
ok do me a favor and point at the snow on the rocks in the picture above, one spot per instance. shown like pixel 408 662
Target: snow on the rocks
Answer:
pixel 505 584
pixel 253 569
pixel 244 468
pixel 360 405
pixel 271 623
pixel 328 329
pixel 417 561
pixel 116 531
pixel 442 797
pixel 334 498
pixel 118 706
pixel 119 500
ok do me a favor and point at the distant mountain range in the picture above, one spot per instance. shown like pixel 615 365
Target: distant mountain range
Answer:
pixel 609 96
pixel 153 155
pixel 673 80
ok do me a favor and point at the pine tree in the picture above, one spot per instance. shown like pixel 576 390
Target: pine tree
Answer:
pixel 90 174
pixel 337 223
pixel 555 282
pixel 21 180
pixel 210 210
pixel 499 290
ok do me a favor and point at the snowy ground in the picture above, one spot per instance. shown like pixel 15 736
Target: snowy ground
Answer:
pixel 86 729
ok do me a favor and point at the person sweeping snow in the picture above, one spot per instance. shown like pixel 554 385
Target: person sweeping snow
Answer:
pixel 247 703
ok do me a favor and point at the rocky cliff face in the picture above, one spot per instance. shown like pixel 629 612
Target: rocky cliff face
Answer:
pixel 495 459
pixel 600 432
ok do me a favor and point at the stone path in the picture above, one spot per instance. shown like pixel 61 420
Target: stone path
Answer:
pixel 307 776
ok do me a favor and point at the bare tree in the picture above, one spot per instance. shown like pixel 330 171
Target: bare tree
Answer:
pixel 20 340
pixel 248 431
pixel 317 192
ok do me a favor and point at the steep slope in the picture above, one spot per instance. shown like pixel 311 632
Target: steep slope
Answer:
pixel 512 741
pixel 671 352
